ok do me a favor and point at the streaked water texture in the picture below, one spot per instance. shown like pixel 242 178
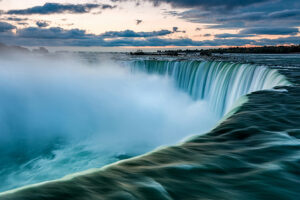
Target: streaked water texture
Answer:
pixel 219 83
pixel 253 154
pixel 64 116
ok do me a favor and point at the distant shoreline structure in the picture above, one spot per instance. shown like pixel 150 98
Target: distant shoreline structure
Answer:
pixel 291 49
pixel 208 52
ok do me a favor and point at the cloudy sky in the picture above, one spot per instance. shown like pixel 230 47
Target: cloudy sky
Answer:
pixel 149 23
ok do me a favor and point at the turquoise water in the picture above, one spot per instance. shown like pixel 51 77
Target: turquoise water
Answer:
pixel 219 83
pixel 251 155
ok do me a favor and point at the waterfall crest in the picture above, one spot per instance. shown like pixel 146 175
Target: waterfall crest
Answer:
pixel 220 83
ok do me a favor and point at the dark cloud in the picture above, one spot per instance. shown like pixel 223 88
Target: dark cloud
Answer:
pixel 277 17
pixel 205 3
pixel 138 21
pixel 285 14
pixel 233 25
pixel 130 33
pixel 133 34
pixel 34 36
pixel 23 23
pixel 42 24
pixel 156 42
pixel 51 33
pixel 16 19
pixel 60 33
pixel 248 18
pixel 288 40
pixel 176 30
pixel 251 32
pixel 4 27
pixel 270 31
pixel 230 35
pixel 51 8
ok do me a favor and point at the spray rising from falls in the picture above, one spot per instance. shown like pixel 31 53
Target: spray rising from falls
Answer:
pixel 219 83
pixel 64 116
pixel 60 117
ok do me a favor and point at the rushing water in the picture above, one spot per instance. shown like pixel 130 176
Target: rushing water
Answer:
pixel 99 115
pixel 220 83
pixel 62 117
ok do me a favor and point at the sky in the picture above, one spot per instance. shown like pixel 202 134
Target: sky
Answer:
pixel 148 24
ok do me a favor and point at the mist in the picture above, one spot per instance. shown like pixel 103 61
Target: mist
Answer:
pixel 60 116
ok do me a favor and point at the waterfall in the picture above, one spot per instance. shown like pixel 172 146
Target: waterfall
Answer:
pixel 220 83
pixel 85 116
